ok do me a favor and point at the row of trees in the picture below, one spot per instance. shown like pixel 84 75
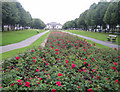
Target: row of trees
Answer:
pixel 14 14
pixel 102 14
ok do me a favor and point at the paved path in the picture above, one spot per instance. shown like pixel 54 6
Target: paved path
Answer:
pixel 21 44
pixel 97 41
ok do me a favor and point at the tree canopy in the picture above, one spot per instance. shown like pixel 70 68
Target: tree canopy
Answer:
pixel 38 24
pixel 101 14
pixel 13 13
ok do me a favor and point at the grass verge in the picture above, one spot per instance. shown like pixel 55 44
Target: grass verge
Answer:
pixel 95 35
pixel 35 44
pixel 10 37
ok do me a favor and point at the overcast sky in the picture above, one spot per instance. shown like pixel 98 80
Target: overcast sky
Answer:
pixel 56 10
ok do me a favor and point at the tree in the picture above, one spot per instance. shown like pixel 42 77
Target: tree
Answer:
pixel 9 14
pixel 119 12
pixel 90 15
pixel 25 17
pixel 111 15
pixel 81 22
pixel 99 13
pixel 38 24
pixel 69 24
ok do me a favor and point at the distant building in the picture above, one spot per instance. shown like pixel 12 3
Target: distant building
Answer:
pixel 53 25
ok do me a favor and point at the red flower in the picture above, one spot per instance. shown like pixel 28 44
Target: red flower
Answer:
pixel 19 82
pixel 93 70
pixel 89 90
pixel 89 65
pixel 12 85
pixel 56 49
pixel 27 84
pixel 59 74
pixel 34 61
pixel 57 53
pixel 40 78
pixel 84 58
pixel 17 58
pixel 115 63
pixel 66 61
pixel 53 90
pixel 94 44
pixel 115 48
pixel 58 83
pixel 97 76
pixel 33 57
pixel 37 70
pixel 84 49
pixel 57 58
pixel 9 66
pixel 85 63
pixel 84 70
pixel 77 53
pixel 32 50
pixel 113 68
pixel 47 64
pixel 73 65
pixel 118 56
pixel 79 86
pixel 116 81
pixel 80 70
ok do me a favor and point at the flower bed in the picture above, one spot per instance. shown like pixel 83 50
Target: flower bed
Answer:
pixel 67 63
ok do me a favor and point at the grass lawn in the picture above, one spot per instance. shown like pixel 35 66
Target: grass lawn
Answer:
pixel 36 44
pixel 10 37
pixel 96 35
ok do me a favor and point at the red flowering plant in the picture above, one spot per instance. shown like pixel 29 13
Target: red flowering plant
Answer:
pixel 66 63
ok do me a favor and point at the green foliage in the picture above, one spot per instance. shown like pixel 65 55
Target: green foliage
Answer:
pixel 98 14
pixel 38 24
pixel 69 24
pixel 53 67
pixel 111 15
pixel 13 13
pixel 81 22
pixel 10 13
pixel 25 17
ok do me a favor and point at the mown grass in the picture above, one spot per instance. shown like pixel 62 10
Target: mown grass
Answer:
pixel 10 37
pixel 35 44
pixel 95 35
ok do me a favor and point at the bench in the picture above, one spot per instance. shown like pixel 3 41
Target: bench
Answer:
pixel 113 37
pixel 37 31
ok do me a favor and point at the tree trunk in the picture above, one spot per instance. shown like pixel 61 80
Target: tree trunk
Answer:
pixel 8 28
pixel 2 27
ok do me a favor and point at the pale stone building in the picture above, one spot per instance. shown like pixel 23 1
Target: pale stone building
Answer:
pixel 53 25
